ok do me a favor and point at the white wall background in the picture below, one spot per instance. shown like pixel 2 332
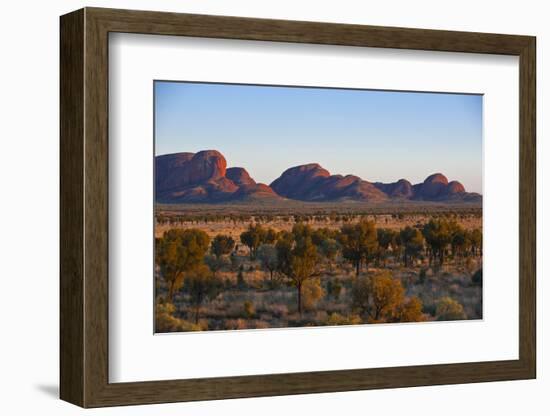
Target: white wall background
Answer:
pixel 29 159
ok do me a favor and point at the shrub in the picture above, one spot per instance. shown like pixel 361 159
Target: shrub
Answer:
pixel 381 298
pixel 277 310
pixel 429 308
pixel 248 308
pixel 312 293
pixel 165 321
pixel 201 286
pixel 337 319
pixel 410 311
pixel 477 277
pixel 235 324
pixel 449 309
pixel 259 324
pixel 334 288
pixel 378 296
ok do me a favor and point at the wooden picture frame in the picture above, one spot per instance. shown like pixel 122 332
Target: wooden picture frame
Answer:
pixel 84 207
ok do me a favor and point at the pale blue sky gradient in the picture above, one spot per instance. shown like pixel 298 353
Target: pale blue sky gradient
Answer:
pixel 377 135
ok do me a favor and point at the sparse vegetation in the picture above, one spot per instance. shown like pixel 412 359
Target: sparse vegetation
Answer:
pixel 248 270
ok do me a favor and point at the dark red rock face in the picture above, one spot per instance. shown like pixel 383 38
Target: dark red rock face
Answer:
pixel 258 191
pixel 239 176
pixel 204 177
pixel 313 183
pixel 169 169
pixel 434 186
pixel 204 166
pixel 455 187
pixel 186 169
pixel 401 189
pixel 298 181
pixel 437 178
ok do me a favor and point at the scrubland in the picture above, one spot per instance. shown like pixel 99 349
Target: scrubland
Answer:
pixel 226 268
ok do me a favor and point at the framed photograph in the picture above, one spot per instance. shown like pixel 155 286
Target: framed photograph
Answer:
pixel 255 207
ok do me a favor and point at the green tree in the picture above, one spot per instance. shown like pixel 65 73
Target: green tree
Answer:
pixel 301 231
pixel 215 263
pixel 267 254
pixel 359 243
pixel 476 240
pixel 312 293
pixel 285 242
pixel 413 243
pixel 387 295
pixel 252 238
pixel 302 265
pixel 269 236
pixel 320 235
pixel 448 309
pixel 177 252
pixel 386 239
pixel 397 246
pixel 201 285
pixel 438 235
pixel 459 242
pixel 297 258
pixel 328 248
pixel 222 245
pixel 256 235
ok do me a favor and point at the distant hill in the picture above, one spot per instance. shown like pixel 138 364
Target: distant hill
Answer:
pixel 203 177
pixel 313 183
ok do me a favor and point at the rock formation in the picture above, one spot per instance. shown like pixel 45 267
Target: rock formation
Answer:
pixel 204 177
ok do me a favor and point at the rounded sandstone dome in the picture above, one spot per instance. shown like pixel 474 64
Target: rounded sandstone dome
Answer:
pixel 437 178
pixel 455 187
pixel 402 188
pixel 205 165
pixel 434 186
pixel 297 181
pixel 240 176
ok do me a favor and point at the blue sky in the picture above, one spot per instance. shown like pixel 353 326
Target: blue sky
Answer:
pixel 377 135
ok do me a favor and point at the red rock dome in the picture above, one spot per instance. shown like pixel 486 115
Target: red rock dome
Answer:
pixel 455 187
pixel 239 176
pixel 434 186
